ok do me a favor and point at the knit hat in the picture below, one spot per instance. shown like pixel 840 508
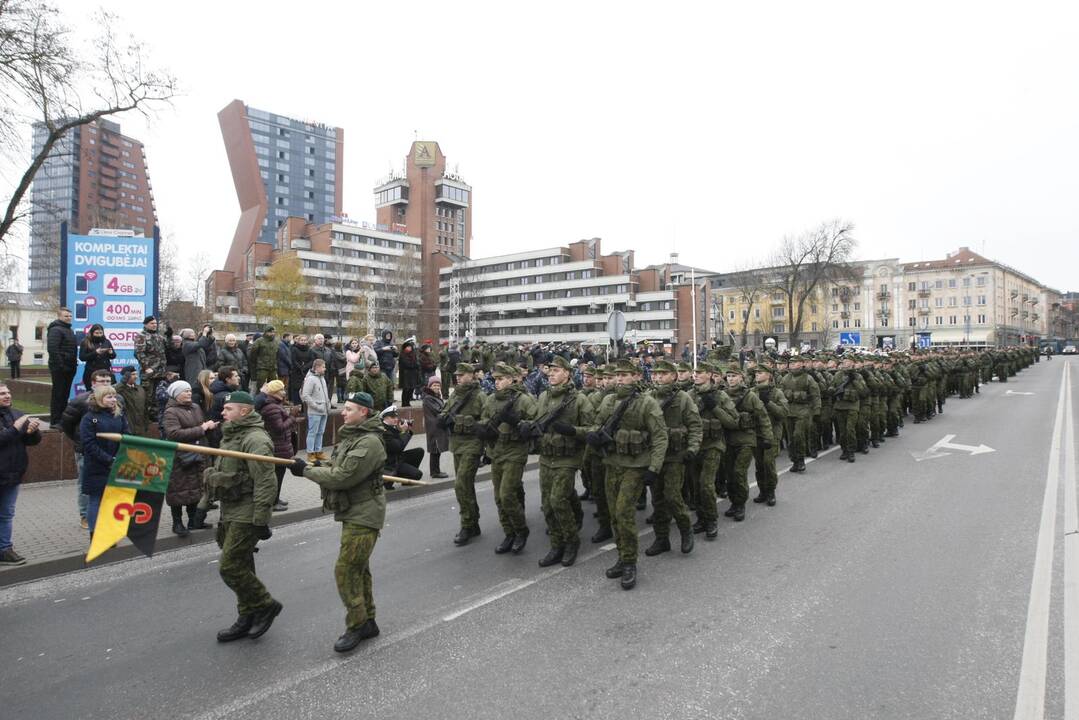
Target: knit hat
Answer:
pixel 178 387
pixel 275 386
pixel 240 398
pixel 433 380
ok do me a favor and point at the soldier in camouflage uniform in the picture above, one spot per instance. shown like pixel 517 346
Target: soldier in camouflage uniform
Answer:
pixel 352 489
pixel 754 429
pixel 503 410
pixel 246 490
pixel 460 417
pixel 593 460
pixel 563 417
pixel 262 360
pixel 718 416
pixel 847 390
pixel 764 457
pixel 684 434
pixel 803 397
pixel 589 389
pixel 150 347
pixel 634 449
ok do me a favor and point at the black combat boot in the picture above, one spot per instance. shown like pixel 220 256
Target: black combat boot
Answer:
pixel 629 576
pixel 659 545
pixel 687 540
pixel 771 501
pixel 197 520
pixel 711 530
pixel 729 512
pixel 850 457
pixel 761 497
pixel 553 557
pixel 615 571
pixel 178 520
pixel 519 541
pixel 261 621
pixel 739 512
pixel 699 526
pixel 601 534
pixel 569 555
pixel 505 546
pixel 875 444
pixel 466 534
pixel 354 636
pixel 239 629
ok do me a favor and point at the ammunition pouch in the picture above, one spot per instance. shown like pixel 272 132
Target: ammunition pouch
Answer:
pixel 553 444
pixel 676 440
pixel 746 421
pixel 630 442
pixel 463 425
pixel 227 486
pixel 712 428
pixel 335 501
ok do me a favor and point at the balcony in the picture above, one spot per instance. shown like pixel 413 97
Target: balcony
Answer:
pixel 883 295
pixel 845 315
pixel 923 311
pixel 923 293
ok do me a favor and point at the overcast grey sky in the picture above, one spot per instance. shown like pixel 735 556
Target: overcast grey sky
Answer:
pixel 710 128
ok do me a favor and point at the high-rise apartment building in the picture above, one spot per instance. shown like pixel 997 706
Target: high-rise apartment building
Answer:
pixel 94 177
pixel 281 168
pixel 427 202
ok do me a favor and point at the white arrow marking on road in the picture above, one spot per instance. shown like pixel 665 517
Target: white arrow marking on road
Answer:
pixel 1013 392
pixel 937 450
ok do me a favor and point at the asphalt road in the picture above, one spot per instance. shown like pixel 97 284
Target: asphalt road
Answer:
pixel 897 587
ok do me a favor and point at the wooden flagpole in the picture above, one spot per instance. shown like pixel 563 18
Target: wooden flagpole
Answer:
pixel 184 447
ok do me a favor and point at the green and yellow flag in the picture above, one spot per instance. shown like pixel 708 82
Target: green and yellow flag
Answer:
pixel 131 504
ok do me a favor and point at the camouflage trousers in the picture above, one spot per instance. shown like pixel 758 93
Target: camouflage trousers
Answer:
pixel 736 463
pixel 798 431
pixel 668 501
pixel 764 467
pixel 465 466
pixel 353 573
pixel 708 463
pixel 847 430
pixel 557 484
pixel 237 567
pixel 624 485
pixel 593 464
pixel 510 495
pixel 824 426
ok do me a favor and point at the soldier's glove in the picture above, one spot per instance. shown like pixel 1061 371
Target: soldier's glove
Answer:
pixel 650 477
pixel 480 431
pixel 513 418
pixel 766 445
pixel 594 439
pixel 298 466
pixel 563 428
pixel 524 428
pixel 708 402
pixel 263 532
pixel 690 456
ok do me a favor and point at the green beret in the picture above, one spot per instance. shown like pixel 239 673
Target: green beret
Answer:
pixel 463 367
pixel 625 366
pixel 503 370
pixel 361 398
pixel 664 366
pixel 240 398
pixel 560 362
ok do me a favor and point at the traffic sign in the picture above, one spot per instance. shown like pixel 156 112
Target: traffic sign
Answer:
pixel 850 338
pixel 616 326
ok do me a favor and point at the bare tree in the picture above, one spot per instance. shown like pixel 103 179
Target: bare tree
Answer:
pixel 398 296
pixel 44 79
pixel 168 272
pixel 197 270
pixel 810 261
pixel 752 285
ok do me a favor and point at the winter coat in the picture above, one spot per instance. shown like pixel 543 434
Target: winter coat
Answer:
pixel 183 423
pixel 302 357
pixel 284 360
pixel 195 358
pixel 378 387
pixel 220 389
pixel 212 360
pixel 14 353
pixel 438 440
pixel 315 395
pixel 395 441
pixel 355 470
pixel 234 357
pixel 62 346
pixel 279 424
pixel 71 420
pixel 409 377
pixel 256 481
pixel 97 454
pixel 387 353
pixel 96 361
pixel 134 397
pixel 13 457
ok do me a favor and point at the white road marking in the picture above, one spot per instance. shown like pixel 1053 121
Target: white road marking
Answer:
pixel 1030 697
pixel 507 588
pixel 1071 563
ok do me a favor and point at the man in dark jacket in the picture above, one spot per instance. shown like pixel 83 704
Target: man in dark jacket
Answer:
pixel 14 357
pixel 301 360
pixel 16 432
pixel 195 350
pixel 387 354
pixel 63 358
pixel 284 359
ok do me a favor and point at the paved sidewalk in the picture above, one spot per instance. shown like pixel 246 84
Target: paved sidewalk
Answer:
pixel 47 528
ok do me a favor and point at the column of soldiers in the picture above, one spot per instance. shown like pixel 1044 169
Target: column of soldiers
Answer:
pixel 688 435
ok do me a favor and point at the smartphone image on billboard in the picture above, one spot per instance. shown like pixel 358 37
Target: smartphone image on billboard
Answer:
pixel 81 311
pixel 81 284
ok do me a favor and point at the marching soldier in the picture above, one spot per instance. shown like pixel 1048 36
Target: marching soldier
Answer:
pixel 764 457
pixel 754 428
pixel 460 417
pixel 352 489
pixel 847 390
pixel 683 444
pixel 629 428
pixel 718 416
pixel 502 412
pixel 593 460
pixel 246 490
pixel 589 388
pixel 563 418
pixel 803 398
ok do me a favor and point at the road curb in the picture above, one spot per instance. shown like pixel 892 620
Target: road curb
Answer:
pixel 75 562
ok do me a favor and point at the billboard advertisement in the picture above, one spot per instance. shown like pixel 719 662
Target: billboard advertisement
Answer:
pixel 109 277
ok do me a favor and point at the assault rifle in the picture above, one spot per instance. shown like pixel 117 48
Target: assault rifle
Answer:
pixel 536 428
pixel 446 421
pixel 605 435
pixel 505 415
pixel 837 393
